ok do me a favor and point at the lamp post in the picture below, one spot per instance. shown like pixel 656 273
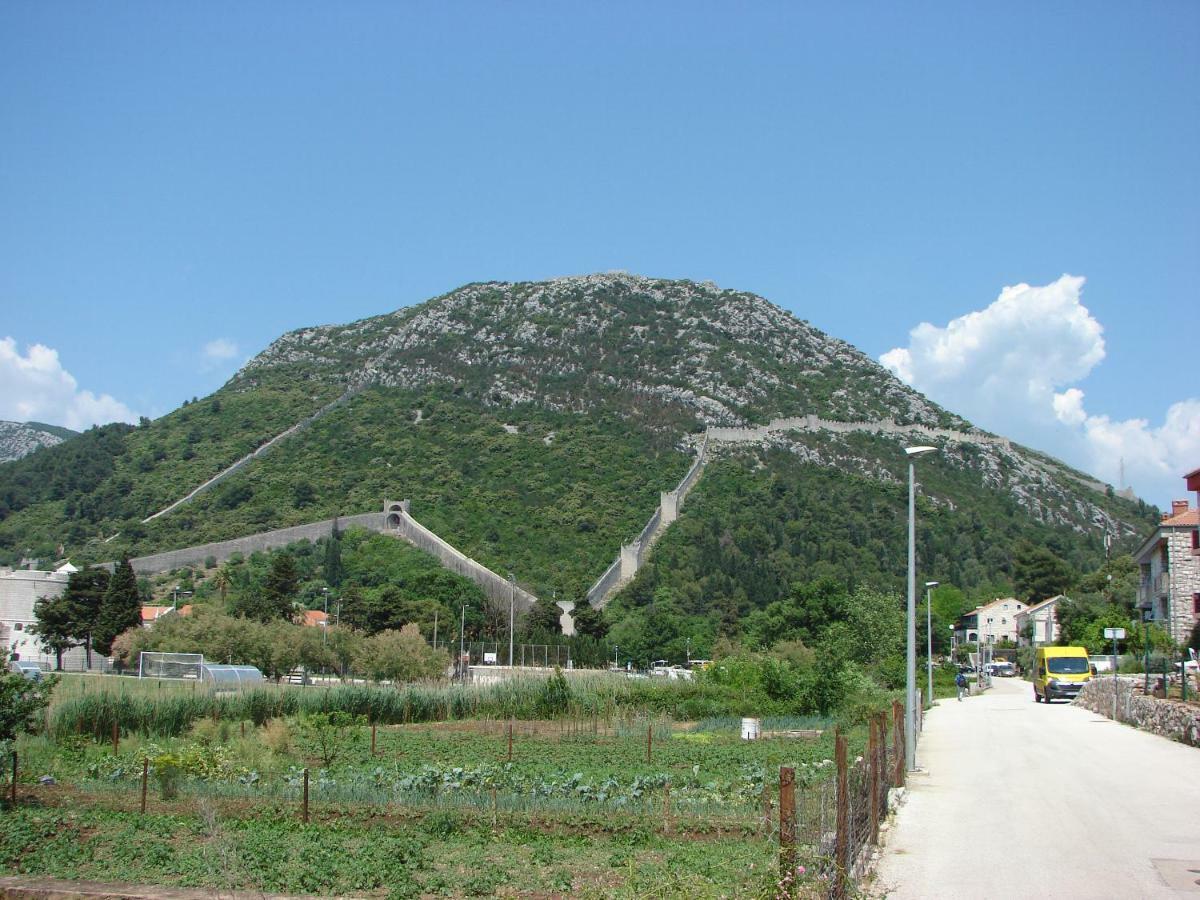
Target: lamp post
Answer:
pixel 910 670
pixel 616 649
pixel 325 622
pixel 929 586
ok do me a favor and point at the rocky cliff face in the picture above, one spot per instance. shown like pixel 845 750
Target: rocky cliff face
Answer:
pixel 723 356
pixel 19 439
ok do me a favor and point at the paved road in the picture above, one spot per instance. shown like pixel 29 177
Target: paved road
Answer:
pixel 1018 799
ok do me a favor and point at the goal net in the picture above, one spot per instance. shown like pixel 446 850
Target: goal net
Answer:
pixel 152 664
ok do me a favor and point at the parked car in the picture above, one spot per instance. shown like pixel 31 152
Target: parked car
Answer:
pixel 30 670
pixel 1004 669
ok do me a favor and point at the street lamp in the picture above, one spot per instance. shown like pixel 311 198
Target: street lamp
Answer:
pixel 512 604
pixel 910 669
pixel 616 649
pixel 929 586
pixel 325 621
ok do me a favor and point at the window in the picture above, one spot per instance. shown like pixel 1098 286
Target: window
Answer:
pixel 1196 604
pixel 18 627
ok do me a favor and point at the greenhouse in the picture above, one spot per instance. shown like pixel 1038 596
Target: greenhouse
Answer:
pixel 225 676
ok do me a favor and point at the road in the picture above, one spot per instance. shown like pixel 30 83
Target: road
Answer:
pixel 1018 799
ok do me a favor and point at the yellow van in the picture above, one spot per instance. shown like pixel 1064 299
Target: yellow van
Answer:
pixel 1060 672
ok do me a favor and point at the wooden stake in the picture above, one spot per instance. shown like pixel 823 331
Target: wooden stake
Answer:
pixel 145 776
pixel 243 728
pixel 116 736
pixel 13 787
pixel 842 845
pixel 304 809
pixel 649 739
pixel 667 808
pixel 510 731
pixel 372 738
pixel 787 822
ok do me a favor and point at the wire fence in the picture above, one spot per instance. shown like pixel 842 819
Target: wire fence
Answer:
pixel 825 816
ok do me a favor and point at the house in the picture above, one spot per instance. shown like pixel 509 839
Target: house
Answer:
pixel 314 618
pixel 1038 624
pixel 1170 567
pixel 151 614
pixel 20 589
pixel 991 623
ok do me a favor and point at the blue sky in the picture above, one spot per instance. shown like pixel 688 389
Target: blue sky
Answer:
pixel 182 183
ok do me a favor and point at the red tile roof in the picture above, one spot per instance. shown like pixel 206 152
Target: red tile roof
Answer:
pixel 314 618
pixel 1191 517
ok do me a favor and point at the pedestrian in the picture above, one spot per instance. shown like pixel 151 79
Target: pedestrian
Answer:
pixel 960 682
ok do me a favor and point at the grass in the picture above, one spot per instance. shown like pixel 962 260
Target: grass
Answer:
pixel 167 711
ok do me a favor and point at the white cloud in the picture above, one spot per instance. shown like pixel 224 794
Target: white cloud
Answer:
pixel 1009 368
pixel 219 350
pixel 36 386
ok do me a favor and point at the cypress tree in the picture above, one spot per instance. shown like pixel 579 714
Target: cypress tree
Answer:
pixel 282 587
pixel 333 558
pixel 120 608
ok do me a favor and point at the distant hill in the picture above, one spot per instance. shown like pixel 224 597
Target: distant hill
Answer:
pixel 533 426
pixel 18 439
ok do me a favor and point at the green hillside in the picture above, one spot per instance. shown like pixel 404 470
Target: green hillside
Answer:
pixel 533 426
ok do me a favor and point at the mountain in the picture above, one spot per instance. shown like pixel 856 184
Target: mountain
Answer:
pixel 533 425
pixel 19 439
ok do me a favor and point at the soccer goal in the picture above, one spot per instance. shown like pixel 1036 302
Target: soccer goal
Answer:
pixel 152 664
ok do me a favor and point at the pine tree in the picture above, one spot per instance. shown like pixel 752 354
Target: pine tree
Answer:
pixel 282 587
pixel 589 621
pixel 120 608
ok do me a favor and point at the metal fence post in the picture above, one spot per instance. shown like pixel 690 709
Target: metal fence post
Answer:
pixel 842 845
pixel 787 823
pixel 873 768
pixel 145 777
pixel 13 786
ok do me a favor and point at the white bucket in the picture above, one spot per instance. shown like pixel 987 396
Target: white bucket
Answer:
pixel 750 729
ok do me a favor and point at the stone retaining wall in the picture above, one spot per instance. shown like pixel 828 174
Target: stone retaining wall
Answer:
pixel 1170 718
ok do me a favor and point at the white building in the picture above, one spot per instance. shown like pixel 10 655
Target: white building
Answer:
pixel 1040 621
pixel 19 590
pixel 991 623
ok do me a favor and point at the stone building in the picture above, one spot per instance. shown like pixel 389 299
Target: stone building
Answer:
pixel 1037 625
pixel 1170 565
pixel 991 623
pixel 19 590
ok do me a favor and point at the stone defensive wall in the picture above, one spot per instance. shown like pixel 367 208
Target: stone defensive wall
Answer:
pixel 1169 718
pixel 398 521
pixel 633 556
pixel 263 450
pixel 266 540
pixel 746 434
pixel 394 520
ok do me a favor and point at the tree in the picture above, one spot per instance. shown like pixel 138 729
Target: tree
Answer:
pixel 543 619
pixel 1038 574
pixel 120 608
pixel 55 626
pixel 21 700
pixel 400 656
pixel 222 580
pixel 589 621
pixel 276 598
pixel 334 571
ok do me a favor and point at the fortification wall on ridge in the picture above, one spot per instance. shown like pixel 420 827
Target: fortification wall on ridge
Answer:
pixel 262 450
pixel 266 540
pixel 495 587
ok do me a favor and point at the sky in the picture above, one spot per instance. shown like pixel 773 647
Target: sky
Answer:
pixel 999 202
